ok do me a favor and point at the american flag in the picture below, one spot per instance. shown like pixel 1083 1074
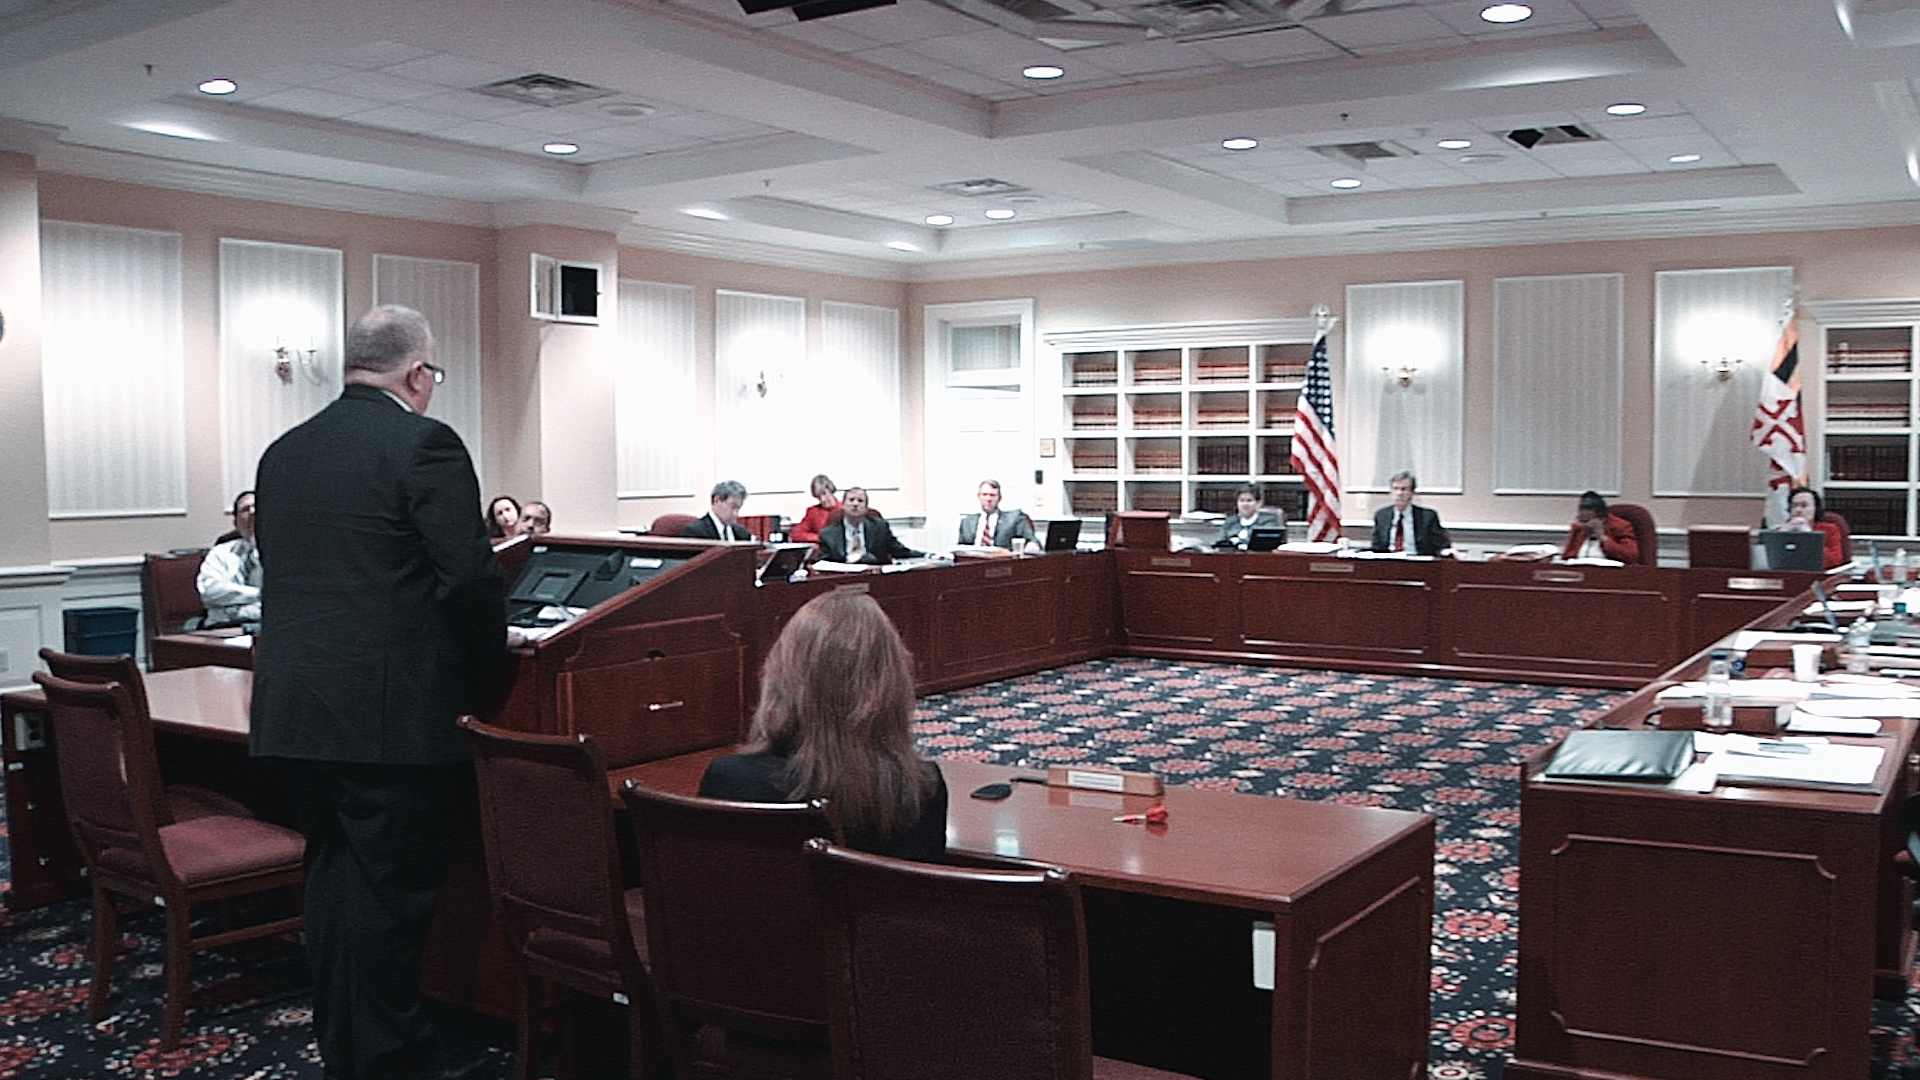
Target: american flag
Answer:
pixel 1779 427
pixel 1316 456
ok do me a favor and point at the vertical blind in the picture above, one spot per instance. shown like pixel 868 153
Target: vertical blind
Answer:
pixel 1702 423
pixel 274 296
pixel 1557 384
pixel 1418 326
pixel 112 359
pixel 760 396
pixel 448 294
pixel 654 397
pixel 857 389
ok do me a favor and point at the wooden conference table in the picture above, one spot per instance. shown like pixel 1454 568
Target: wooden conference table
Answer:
pixel 1171 908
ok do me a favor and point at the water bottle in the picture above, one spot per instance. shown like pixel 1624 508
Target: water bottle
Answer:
pixel 1719 685
pixel 1859 637
pixel 1900 567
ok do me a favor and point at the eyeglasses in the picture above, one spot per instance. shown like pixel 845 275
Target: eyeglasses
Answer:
pixel 439 373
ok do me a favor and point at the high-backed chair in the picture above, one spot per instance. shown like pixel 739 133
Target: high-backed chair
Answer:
pixel 1839 521
pixel 670 524
pixel 553 861
pixel 170 592
pixel 942 973
pixel 1644 533
pixel 184 801
pixel 135 851
pixel 733 932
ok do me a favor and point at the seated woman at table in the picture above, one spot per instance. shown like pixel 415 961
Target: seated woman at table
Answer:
pixel 503 518
pixel 1248 515
pixel 807 529
pixel 1806 513
pixel 1597 533
pixel 836 722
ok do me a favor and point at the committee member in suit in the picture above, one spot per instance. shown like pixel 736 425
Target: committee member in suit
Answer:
pixel 1596 533
pixel 1404 527
pixel 383 621
pixel 995 527
pixel 536 519
pixel 1804 514
pixel 722 519
pixel 835 721
pixel 1248 515
pixel 825 502
pixel 855 535
pixel 229 578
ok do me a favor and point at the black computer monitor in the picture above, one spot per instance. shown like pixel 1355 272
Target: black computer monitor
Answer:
pixel 1789 550
pixel 1063 534
pixel 1265 538
pixel 783 562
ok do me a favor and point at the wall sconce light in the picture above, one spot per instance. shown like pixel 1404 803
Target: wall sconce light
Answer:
pixel 285 358
pixel 1403 374
pixel 1723 368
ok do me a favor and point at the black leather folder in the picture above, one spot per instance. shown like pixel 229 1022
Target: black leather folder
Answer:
pixel 1600 754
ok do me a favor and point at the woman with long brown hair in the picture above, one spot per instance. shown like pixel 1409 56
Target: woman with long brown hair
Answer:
pixel 836 722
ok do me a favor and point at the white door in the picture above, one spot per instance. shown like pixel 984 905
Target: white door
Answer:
pixel 980 404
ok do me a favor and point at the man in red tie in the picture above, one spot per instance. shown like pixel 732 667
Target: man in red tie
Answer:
pixel 994 527
pixel 1405 528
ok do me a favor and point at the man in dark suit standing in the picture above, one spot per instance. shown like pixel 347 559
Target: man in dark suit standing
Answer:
pixel 1406 528
pixel 994 527
pixel 722 520
pixel 854 535
pixel 383 620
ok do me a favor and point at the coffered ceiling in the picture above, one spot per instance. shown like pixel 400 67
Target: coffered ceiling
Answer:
pixel 832 142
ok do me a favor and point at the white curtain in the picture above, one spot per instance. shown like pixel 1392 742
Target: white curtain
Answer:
pixel 1706 320
pixel 448 294
pixel 112 367
pixel 274 299
pixel 1557 384
pixel 1415 330
pixel 654 394
pixel 760 393
pixel 857 380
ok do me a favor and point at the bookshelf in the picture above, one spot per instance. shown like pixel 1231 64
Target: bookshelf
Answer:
pixel 1862 445
pixel 1176 418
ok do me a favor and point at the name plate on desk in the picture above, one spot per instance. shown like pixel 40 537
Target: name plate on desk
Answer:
pixel 1114 780
pixel 999 571
pixel 1330 568
pixel 1755 584
pixel 1560 577
pixel 1171 563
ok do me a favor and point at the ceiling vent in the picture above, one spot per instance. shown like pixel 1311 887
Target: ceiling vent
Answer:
pixel 1557 135
pixel 973 189
pixel 548 90
pixel 1359 153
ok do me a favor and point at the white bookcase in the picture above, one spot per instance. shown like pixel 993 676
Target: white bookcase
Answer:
pixel 1859 388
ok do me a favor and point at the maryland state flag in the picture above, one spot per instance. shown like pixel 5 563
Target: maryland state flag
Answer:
pixel 1779 425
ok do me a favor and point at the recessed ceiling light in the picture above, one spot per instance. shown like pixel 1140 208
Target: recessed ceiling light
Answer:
pixel 1481 159
pixel 939 219
pixel 1684 159
pixel 1239 144
pixel 561 148
pixel 1346 182
pixel 172 130
pixel 902 245
pixel 1044 71
pixel 707 212
pixel 1454 144
pixel 1626 108
pixel 999 213
pixel 1506 13
pixel 219 86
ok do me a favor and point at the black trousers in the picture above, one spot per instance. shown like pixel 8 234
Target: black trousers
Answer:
pixel 377 843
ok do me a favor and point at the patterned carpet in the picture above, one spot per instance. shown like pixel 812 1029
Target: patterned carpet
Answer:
pixel 1449 748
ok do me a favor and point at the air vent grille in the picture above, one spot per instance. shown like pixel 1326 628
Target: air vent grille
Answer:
pixel 551 91
pixel 973 189
pixel 1359 153
pixel 1554 135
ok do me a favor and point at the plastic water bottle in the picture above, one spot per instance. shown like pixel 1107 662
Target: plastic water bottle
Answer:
pixel 1859 637
pixel 1900 567
pixel 1719 685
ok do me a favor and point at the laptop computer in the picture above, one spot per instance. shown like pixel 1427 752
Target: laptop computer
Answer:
pixel 1063 534
pixel 1789 550
pixel 786 558
pixel 1266 538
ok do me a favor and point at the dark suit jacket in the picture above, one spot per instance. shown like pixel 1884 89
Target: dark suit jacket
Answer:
pixel 1231 533
pixel 384 615
pixel 755 778
pixel 702 528
pixel 882 545
pixel 1428 537
pixel 1010 524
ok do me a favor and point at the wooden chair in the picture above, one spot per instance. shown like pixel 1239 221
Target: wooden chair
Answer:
pixel 1645 535
pixel 670 524
pixel 170 593
pixel 733 933
pixel 943 973
pixel 136 850
pixel 553 861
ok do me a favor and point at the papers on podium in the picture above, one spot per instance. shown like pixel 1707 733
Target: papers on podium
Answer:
pixel 1795 763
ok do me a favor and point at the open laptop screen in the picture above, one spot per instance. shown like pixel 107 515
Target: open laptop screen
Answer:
pixel 1789 550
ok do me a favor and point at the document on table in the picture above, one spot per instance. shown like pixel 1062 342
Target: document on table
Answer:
pixel 1794 762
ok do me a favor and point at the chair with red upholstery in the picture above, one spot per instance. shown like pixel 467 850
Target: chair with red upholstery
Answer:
pixel 670 524
pixel 733 933
pixel 1645 534
pixel 1839 521
pixel 137 851
pixel 553 862
pixel 943 973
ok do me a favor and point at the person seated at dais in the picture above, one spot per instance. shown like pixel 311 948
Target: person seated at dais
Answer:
pixel 994 527
pixel 807 529
pixel 229 578
pixel 503 518
pixel 1596 533
pixel 835 721
pixel 1248 515
pixel 1804 514
pixel 857 535
pixel 536 519
pixel 1405 527
pixel 722 519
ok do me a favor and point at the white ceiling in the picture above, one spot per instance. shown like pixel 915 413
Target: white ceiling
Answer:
pixel 823 143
